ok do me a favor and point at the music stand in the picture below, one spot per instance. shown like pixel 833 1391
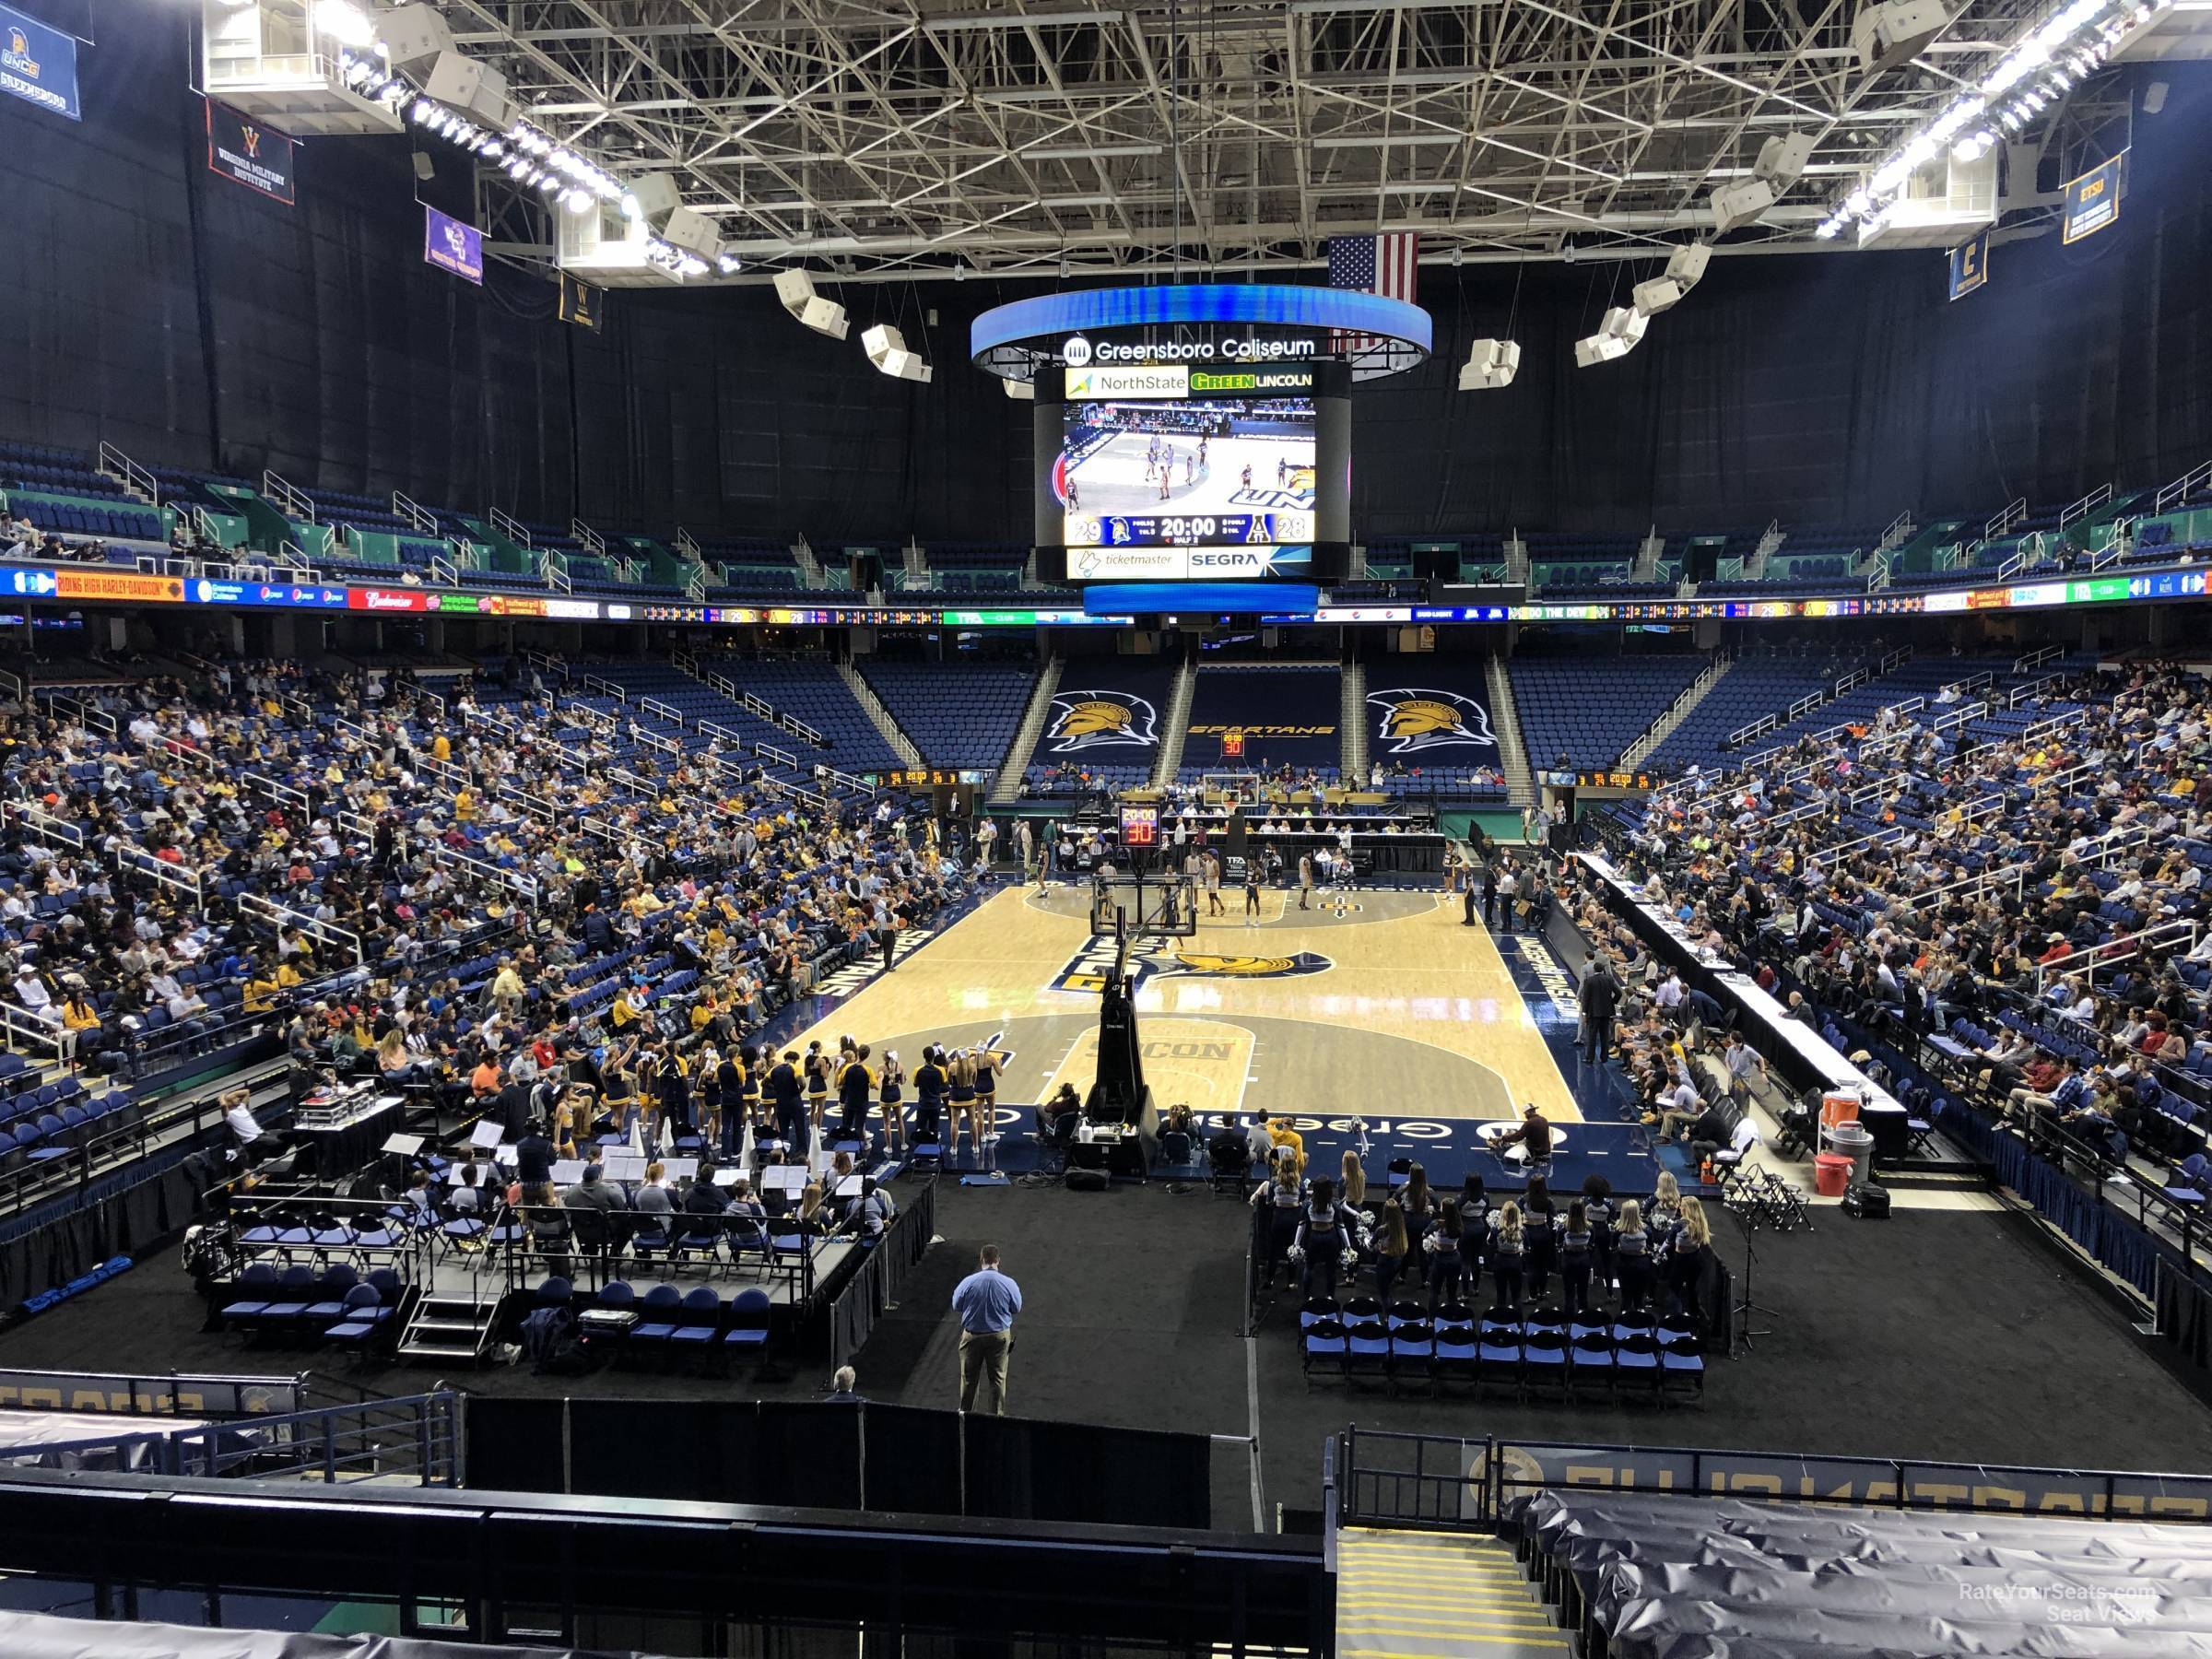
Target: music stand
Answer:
pixel 1739 1315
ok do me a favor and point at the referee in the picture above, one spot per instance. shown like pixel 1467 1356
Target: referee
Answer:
pixel 986 1302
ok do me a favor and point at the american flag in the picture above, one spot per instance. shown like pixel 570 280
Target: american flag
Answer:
pixel 1374 265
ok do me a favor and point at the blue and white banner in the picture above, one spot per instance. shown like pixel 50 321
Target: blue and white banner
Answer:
pixel 2092 201
pixel 38 63
pixel 1969 265
pixel 452 246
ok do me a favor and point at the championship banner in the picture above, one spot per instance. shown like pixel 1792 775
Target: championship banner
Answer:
pixel 38 63
pixel 579 302
pixel 1969 265
pixel 247 153
pixel 2092 201
pixel 452 246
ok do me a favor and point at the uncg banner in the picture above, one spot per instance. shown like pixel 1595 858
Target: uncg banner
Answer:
pixel 452 246
pixel 579 302
pixel 38 63
pixel 248 153
pixel 2092 201
pixel 1969 265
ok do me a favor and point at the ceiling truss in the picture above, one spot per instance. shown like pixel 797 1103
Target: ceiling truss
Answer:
pixel 1033 137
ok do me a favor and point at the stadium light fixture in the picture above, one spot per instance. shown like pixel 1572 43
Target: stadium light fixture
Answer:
pixel 2034 73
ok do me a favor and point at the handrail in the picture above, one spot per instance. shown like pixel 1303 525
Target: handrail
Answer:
pixel 1959 717
pixel 283 793
pixel 509 527
pixel 2104 955
pixel 2036 659
pixel 296 503
pixel 660 710
pixel 1897 530
pixel 115 465
pixel 769 751
pixel 329 932
pixel 406 507
pixel 484 869
pixel 657 740
pixel 554 569
pixel 545 662
pixel 2031 690
pixel 92 719
pixel 843 780
pixel 2042 729
pixel 605 688
pixel 2170 495
pixel 687 546
pixel 2084 507
pixel 181 876
pixel 46 826
pixel 695 582
pixel 442 571
pixel 1890 664
pixel 2013 513
pixel 580 532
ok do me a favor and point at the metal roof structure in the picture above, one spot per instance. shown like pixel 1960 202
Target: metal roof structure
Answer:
pixel 869 138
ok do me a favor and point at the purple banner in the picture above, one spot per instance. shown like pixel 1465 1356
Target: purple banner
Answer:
pixel 452 246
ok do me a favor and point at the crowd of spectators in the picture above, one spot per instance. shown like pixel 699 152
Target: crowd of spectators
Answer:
pixel 2017 899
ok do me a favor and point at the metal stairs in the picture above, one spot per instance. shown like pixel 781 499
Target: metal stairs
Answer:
pixel 1006 788
pixel 450 1328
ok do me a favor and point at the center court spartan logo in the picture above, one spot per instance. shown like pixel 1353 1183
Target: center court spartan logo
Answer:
pixel 1159 959
pixel 1083 720
pixel 1412 719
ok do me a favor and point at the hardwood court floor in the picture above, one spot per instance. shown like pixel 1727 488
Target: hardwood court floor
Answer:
pixel 1393 1007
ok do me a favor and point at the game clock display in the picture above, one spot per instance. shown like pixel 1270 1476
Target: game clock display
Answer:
pixel 1203 530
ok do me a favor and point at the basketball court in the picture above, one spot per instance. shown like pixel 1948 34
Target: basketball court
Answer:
pixel 1392 1008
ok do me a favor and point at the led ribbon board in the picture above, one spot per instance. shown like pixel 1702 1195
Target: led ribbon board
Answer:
pixel 1252 323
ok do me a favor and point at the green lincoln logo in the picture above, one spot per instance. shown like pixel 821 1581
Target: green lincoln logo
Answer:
pixel 1201 380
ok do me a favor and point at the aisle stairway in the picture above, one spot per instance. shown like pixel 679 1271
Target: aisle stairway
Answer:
pixel 879 717
pixel 1436 1595
pixel 1505 720
pixel 1008 785
pixel 1661 729
pixel 1353 723
pixel 1178 726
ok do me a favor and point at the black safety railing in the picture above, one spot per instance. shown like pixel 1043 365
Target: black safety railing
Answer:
pixel 1393 1478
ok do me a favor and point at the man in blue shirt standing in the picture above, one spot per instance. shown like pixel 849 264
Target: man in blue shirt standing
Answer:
pixel 986 1302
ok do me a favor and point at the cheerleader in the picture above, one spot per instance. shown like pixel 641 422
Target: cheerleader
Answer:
pixel 1509 1246
pixel 817 1071
pixel 1352 1179
pixel 1578 1258
pixel 1665 1217
pixel 889 1088
pixel 959 1077
pixel 1418 1202
pixel 1445 1247
pixel 1597 1198
pixel 1392 1247
pixel 1541 1220
pixel 752 1076
pixel 1632 1257
pixel 1324 1240
pixel 986 1095
pixel 1276 1205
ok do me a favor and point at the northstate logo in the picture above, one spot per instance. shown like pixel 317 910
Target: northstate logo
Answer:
pixel 1159 959
pixel 1414 720
pixel 1083 720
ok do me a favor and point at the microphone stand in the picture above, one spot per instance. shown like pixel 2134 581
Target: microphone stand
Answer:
pixel 1740 1314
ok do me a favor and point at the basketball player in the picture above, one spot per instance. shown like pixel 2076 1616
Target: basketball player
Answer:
pixel 1163 483
pixel 1251 890
pixel 1075 496
pixel 1190 468
pixel 1247 474
pixel 1282 471
pixel 1213 887
pixel 1305 881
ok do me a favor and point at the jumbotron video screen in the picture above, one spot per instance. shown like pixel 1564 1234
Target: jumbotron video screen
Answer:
pixel 1206 485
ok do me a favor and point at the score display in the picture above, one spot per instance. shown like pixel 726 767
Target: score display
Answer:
pixel 1145 471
